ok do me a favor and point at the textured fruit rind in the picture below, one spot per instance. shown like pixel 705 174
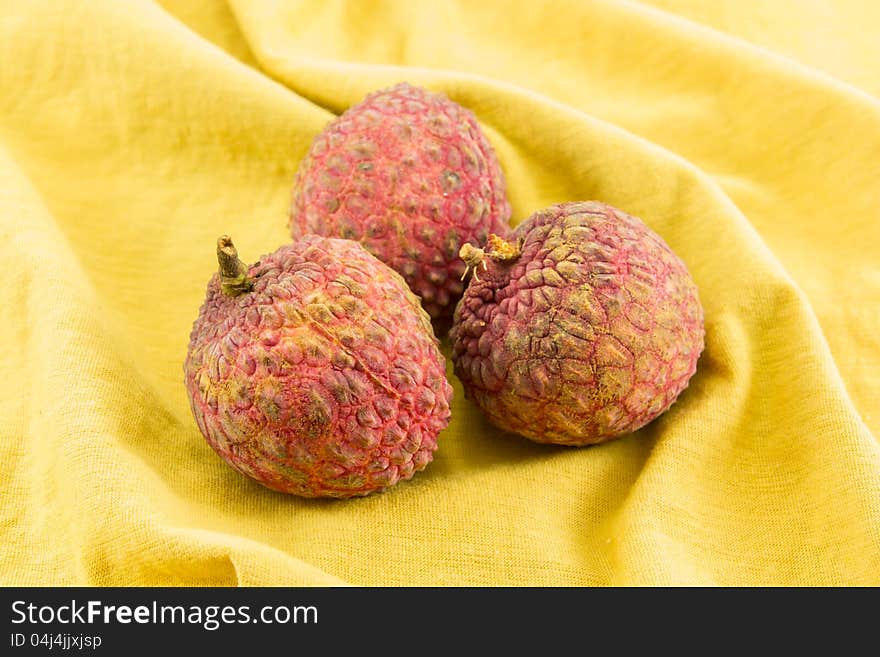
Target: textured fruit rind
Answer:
pixel 592 332
pixel 410 175
pixel 325 379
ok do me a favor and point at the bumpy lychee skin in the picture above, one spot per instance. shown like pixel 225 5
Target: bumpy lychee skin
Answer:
pixel 585 326
pixel 315 371
pixel 410 175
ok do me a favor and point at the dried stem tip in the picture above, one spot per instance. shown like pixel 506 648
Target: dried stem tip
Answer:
pixel 497 248
pixel 473 258
pixel 233 272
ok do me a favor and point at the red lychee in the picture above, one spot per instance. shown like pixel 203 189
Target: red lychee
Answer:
pixel 583 327
pixel 315 371
pixel 410 175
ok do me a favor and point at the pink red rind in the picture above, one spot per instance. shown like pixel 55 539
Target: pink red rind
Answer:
pixel 410 175
pixel 325 380
pixel 591 333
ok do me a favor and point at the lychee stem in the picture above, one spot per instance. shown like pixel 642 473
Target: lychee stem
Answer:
pixel 473 257
pixel 497 249
pixel 233 272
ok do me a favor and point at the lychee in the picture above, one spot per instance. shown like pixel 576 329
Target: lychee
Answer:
pixel 583 327
pixel 315 371
pixel 410 175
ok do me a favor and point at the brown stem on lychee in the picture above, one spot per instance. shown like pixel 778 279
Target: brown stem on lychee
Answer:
pixel 473 258
pixel 497 249
pixel 233 272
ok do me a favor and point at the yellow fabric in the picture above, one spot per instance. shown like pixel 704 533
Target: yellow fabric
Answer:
pixel 746 133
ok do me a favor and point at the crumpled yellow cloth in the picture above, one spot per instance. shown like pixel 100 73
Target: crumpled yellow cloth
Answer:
pixel 747 134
